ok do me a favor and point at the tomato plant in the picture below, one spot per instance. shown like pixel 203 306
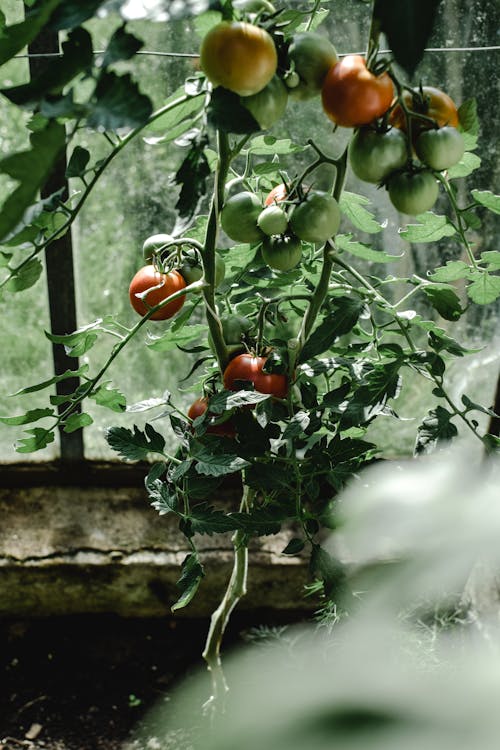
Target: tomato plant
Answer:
pixel 162 285
pixel 282 252
pixel 440 149
pixel 273 296
pixel 250 368
pixel 316 218
pixel 374 155
pixel 352 95
pixel 239 56
pixel 311 56
pixel 413 192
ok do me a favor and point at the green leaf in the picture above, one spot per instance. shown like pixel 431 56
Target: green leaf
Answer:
pixel 452 271
pixel 111 398
pixel 431 228
pixel 408 25
pixel 73 13
pixel 14 38
pixel 121 46
pixel 294 547
pixel 40 439
pixel 472 406
pixel 351 206
pixel 78 162
pixel 189 582
pixel 77 57
pixel 192 176
pixel 297 425
pixel 171 339
pixel 56 379
pixel 492 259
pixel 226 400
pixel 31 169
pixel 484 288
pixel 361 250
pixel 184 110
pixel 445 300
pixel 26 277
pixel 206 21
pixel 467 114
pixel 136 445
pixel 77 421
pixel 467 164
pixel 227 113
pixel 488 199
pixel 212 462
pixel 268 145
pixel 163 496
pixel 340 320
pixel 436 427
pixel 261 521
pixel 117 103
pixel 205 520
pixel 33 415
pixel 438 340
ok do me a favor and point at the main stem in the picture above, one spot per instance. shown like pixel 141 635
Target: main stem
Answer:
pixel 236 589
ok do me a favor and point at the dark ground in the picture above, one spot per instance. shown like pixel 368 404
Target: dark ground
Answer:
pixel 88 683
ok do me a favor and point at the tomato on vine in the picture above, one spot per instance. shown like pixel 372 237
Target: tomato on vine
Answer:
pixel 316 218
pixel 441 148
pixel 310 56
pixel 239 56
pixel 273 220
pixel 413 193
pixel 268 105
pixel 283 252
pixel 429 101
pixel 352 95
pixel 375 155
pixel 278 194
pixel 154 243
pixel 248 367
pixel 162 285
pixel 224 429
pixel 235 329
pixel 239 217
pixel 192 271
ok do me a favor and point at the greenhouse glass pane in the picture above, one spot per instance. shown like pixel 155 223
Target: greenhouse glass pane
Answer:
pixel 25 352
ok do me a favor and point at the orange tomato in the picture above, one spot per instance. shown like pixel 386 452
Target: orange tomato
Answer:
pixel 434 104
pixel 353 96
pixel 239 56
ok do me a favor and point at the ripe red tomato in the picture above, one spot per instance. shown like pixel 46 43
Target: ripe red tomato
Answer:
pixel 199 407
pixel 239 56
pixel 430 102
pixel 276 195
pixel 249 367
pixel 162 285
pixel 352 95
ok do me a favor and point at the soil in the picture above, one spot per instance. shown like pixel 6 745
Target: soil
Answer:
pixel 89 683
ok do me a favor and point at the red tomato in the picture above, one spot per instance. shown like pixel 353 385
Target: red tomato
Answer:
pixel 276 195
pixel 352 95
pixel 249 367
pixel 148 277
pixel 199 407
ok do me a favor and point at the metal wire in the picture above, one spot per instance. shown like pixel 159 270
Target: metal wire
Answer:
pixel 195 54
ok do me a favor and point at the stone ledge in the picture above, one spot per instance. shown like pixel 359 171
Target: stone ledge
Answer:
pixel 75 550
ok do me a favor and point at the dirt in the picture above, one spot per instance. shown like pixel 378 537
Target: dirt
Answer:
pixel 90 683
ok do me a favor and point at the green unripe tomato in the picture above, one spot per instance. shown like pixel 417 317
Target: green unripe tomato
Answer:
pixel 440 149
pixel 154 242
pixel 282 253
pixel 311 55
pixel 234 330
pixel 413 193
pixel 317 218
pixel 373 156
pixel 273 220
pixel 239 217
pixel 269 104
pixel 192 271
